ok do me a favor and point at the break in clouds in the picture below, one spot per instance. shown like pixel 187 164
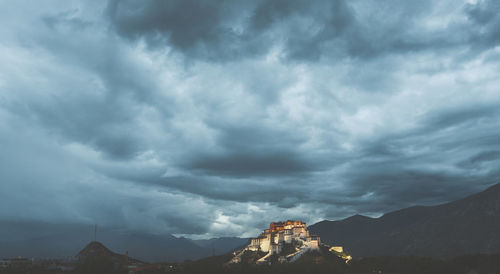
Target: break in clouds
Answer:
pixel 204 118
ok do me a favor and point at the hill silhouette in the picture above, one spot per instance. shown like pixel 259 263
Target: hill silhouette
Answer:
pixel 465 226
pixel 60 240
pixel 97 249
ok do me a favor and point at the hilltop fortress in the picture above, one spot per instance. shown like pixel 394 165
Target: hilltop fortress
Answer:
pixel 286 241
pixel 272 240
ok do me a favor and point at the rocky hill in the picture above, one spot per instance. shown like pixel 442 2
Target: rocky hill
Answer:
pixel 97 249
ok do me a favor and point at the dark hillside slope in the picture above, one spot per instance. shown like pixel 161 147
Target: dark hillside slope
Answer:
pixel 469 225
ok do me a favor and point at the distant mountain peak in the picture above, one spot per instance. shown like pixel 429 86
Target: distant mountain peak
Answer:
pixel 95 248
pixel 357 217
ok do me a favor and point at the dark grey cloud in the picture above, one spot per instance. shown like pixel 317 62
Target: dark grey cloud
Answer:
pixel 461 116
pixel 200 28
pixel 430 163
pixel 228 30
pixel 254 150
pixel 486 156
pixel 486 21
pixel 328 29
pixel 238 191
pixel 100 110
pixel 205 118
pixel 251 165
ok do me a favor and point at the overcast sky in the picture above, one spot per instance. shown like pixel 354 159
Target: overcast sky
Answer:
pixel 214 118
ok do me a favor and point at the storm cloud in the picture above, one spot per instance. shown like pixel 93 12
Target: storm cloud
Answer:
pixel 213 118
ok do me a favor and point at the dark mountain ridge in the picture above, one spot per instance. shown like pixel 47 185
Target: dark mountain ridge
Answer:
pixel 469 225
pixel 58 241
pixel 223 244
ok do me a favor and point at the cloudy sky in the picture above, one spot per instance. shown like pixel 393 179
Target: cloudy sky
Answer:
pixel 213 118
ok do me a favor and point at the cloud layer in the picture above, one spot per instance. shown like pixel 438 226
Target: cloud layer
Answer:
pixel 206 118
